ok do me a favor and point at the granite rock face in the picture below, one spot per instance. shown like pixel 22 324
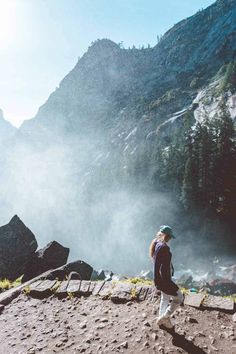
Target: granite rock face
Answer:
pixel 17 244
pixel 110 88
pixel 52 256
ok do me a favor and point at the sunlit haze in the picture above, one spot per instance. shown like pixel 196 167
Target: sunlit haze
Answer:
pixel 41 40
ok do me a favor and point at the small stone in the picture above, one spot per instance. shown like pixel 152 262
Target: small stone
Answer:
pixel 201 334
pixel 192 320
pixel 59 344
pixel 104 319
pixel 190 338
pixel 154 336
pixel 146 323
pixel 101 326
pixel 83 325
pixel 31 351
pixel 123 345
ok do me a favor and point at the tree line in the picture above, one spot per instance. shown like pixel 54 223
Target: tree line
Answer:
pixel 199 165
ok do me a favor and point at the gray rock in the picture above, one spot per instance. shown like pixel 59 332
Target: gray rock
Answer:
pixel 81 267
pixel 94 275
pixel 218 302
pixel 52 256
pixel 17 244
pixel 1 308
pixel 101 274
pixel 74 276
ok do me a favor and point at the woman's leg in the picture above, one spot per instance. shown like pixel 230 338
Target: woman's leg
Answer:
pixel 176 301
pixel 164 302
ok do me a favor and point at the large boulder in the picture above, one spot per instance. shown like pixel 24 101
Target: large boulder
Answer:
pixel 17 244
pixel 80 267
pixel 51 256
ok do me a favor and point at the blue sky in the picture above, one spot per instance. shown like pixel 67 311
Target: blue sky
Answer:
pixel 41 40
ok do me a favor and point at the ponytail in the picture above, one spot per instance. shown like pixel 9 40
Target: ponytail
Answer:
pixel 159 237
pixel 152 247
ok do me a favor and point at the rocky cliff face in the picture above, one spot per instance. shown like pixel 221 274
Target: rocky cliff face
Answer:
pixel 108 79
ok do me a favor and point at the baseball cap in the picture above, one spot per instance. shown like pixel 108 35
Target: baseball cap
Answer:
pixel 167 230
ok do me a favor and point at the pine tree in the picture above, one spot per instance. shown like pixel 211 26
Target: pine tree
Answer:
pixel 225 161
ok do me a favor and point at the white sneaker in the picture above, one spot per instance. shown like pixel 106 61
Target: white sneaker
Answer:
pixel 164 321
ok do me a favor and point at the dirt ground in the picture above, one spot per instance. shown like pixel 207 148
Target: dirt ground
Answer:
pixel 92 325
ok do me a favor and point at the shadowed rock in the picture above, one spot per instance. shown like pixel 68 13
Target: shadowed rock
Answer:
pixel 17 244
pixel 81 267
pixel 52 256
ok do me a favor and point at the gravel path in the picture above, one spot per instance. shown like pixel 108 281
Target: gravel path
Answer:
pixel 92 325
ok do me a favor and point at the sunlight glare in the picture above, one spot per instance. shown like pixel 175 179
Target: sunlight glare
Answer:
pixel 7 21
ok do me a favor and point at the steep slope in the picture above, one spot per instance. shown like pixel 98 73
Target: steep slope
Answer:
pixel 108 78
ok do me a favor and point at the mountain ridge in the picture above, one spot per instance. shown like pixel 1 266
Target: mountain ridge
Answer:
pixel 110 76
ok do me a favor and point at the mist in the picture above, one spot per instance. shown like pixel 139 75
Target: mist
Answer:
pixel 52 190
pixel 61 192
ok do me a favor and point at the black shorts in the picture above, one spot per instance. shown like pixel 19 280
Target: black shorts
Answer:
pixel 169 288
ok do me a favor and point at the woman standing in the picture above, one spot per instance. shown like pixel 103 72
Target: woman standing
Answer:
pixel 163 270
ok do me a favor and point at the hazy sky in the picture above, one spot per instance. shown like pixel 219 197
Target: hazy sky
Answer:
pixel 41 40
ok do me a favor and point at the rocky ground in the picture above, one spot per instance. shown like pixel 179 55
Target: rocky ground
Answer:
pixel 92 325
